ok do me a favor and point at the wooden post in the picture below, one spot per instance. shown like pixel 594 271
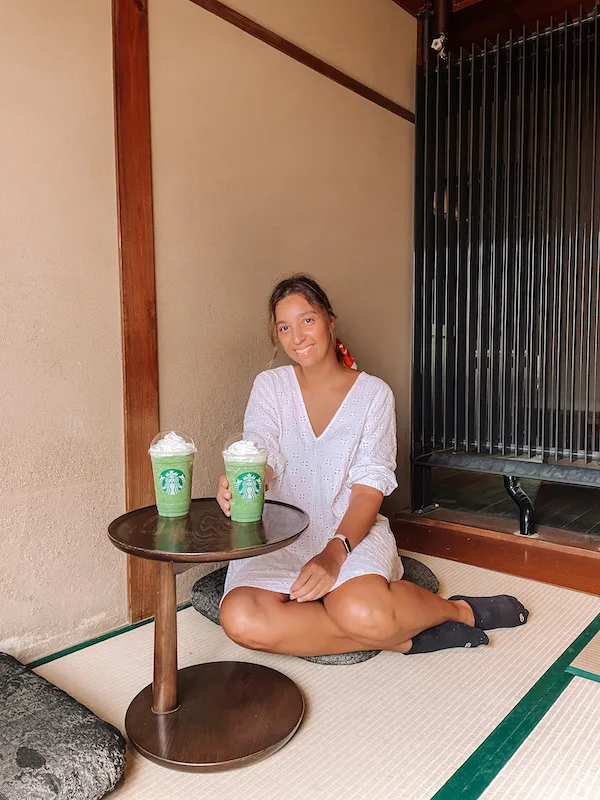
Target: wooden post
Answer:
pixel 136 255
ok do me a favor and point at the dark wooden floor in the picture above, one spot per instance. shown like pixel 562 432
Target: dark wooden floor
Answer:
pixel 559 506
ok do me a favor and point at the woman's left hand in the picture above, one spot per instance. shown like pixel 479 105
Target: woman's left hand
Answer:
pixel 318 576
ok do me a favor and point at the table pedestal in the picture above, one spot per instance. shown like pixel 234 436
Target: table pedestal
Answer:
pixel 229 713
pixel 221 714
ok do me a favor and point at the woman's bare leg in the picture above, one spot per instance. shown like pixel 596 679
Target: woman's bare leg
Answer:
pixel 270 621
pixel 364 613
pixel 387 615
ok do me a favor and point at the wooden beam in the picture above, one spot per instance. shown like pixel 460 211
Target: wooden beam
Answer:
pixel 136 255
pixel 545 561
pixel 412 6
pixel 458 5
pixel 302 56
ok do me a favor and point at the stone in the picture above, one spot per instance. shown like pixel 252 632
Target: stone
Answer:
pixel 207 593
pixel 51 746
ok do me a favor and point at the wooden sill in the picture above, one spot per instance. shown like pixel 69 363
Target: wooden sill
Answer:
pixel 554 556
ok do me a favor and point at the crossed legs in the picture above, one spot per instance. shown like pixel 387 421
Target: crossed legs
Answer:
pixel 364 613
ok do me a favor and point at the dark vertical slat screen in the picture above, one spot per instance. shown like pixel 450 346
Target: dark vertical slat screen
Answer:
pixel 595 226
pixel 562 221
pixel 461 250
pixel 418 420
pixel 521 260
pixel 438 259
pixel 507 262
pixel 508 237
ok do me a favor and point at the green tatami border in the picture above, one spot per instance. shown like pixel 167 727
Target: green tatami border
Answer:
pixel 89 642
pixel 583 673
pixel 480 769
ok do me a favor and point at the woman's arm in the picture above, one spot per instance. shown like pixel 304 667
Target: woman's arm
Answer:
pixel 318 576
pixel 261 422
pixel 358 520
pixel 371 477
pixel 224 492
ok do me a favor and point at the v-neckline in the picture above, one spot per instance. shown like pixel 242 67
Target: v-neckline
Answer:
pixel 335 416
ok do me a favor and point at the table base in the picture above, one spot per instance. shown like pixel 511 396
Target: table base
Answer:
pixel 230 713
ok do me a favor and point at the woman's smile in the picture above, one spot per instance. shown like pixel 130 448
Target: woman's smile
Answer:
pixel 304 351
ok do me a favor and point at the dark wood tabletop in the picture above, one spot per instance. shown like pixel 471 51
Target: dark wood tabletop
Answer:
pixel 206 534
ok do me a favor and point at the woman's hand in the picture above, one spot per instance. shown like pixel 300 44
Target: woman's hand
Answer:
pixel 224 496
pixel 318 576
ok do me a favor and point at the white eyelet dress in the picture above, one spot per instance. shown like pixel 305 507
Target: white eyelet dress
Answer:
pixel 316 473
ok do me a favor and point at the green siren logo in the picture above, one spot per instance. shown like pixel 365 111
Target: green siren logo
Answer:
pixel 248 485
pixel 172 481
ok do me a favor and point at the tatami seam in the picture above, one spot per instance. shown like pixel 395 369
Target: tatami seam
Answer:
pixel 473 777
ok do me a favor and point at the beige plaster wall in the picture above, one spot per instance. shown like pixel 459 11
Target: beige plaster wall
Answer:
pixel 262 167
pixel 373 41
pixel 61 465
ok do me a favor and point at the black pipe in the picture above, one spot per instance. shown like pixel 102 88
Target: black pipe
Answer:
pixel 526 507
pixel 441 11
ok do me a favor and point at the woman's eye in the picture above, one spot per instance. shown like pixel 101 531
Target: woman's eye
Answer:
pixel 308 320
pixel 283 328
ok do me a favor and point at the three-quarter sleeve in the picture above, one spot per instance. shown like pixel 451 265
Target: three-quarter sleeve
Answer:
pixel 262 419
pixel 375 461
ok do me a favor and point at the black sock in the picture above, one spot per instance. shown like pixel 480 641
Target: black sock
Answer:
pixel 448 634
pixel 501 611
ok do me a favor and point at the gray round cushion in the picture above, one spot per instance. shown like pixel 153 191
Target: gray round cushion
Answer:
pixel 416 572
pixel 208 591
pixel 52 747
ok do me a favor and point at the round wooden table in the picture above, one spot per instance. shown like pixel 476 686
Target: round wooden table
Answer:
pixel 225 713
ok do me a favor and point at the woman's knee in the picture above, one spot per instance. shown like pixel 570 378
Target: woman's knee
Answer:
pixel 246 621
pixel 366 619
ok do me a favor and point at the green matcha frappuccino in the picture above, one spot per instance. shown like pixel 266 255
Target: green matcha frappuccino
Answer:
pixel 172 455
pixel 245 466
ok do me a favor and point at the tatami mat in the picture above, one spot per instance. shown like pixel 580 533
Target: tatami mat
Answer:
pixel 560 760
pixel 588 660
pixel 392 727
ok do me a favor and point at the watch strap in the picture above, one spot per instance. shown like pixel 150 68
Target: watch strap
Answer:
pixel 344 540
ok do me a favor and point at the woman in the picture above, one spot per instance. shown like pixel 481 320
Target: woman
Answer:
pixel 331 437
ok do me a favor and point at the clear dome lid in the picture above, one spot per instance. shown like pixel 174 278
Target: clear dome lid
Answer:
pixel 172 443
pixel 245 444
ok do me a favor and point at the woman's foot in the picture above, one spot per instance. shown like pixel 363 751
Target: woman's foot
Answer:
pixel 500 611
pixel 444 636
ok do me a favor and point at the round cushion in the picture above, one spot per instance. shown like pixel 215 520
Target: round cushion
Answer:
pixel 416 572
pixel 207 593
pixel 52 747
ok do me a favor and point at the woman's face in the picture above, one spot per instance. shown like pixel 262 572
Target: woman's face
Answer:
pixel 304 332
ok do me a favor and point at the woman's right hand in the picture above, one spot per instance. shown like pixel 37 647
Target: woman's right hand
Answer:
pixel 224 496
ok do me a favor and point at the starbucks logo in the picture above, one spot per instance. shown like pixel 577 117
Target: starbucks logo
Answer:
pixel 248 485
pixel 172 481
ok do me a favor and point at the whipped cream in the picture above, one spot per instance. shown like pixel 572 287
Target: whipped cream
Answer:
pixel 245 450
pixel 242 448
pixel 172 444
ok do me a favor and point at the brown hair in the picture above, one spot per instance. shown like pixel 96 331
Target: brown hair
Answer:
pixel 304 285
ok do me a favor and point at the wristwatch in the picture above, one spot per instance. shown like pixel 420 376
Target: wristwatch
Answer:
pixel 344 540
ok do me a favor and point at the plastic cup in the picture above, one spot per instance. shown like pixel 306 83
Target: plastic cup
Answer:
pixel 172 455
pixel 246 477
pixel 247 534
